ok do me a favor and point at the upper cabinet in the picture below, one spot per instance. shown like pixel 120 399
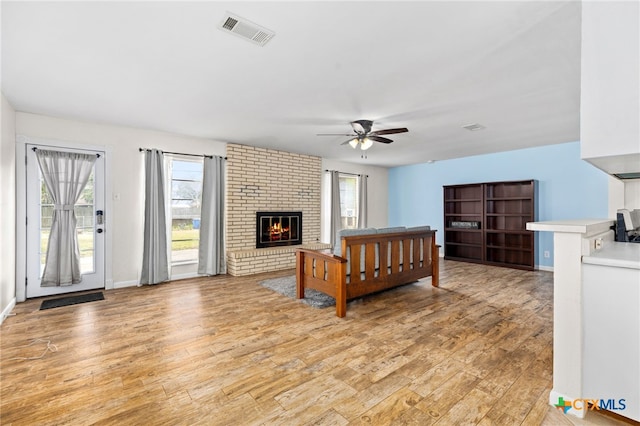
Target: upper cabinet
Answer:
pixel 610 86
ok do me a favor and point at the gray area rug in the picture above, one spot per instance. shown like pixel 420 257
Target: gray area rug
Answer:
pixel 287 287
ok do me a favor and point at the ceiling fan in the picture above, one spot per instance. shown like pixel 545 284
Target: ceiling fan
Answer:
pixel 363 135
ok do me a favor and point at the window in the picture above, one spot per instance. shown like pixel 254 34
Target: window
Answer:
pixel 349 204
pixel 185 177
pixel 349 201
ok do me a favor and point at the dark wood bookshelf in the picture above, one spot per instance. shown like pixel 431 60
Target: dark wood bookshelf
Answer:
pixel 486 223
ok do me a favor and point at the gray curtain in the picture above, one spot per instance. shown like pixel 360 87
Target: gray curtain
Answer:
pixel 211 254
pixel 336 219
pixel 362 201
pixel 155 267
pixel 65 175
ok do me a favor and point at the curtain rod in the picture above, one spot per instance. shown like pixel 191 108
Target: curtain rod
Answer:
pixel 36 148
pixel 345 173
pixel 180 153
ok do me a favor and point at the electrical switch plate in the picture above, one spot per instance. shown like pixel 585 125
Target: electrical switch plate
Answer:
pixel 597 244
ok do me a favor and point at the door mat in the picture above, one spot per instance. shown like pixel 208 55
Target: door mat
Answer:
pixel 71 300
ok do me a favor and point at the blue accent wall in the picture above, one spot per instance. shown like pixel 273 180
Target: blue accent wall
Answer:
pixel 568 187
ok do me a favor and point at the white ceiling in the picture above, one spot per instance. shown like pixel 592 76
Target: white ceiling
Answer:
pixel 432 67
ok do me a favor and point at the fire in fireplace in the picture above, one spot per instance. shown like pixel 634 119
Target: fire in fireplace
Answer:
pixel 278 229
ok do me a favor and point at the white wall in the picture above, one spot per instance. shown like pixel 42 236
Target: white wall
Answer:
pixel 125 178
pixel 623 195
pixel 377 197
pixel 632 194
pixel 7 209
pixel 616 196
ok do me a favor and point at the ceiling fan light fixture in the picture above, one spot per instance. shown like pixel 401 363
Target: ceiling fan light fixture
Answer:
pixel 363 136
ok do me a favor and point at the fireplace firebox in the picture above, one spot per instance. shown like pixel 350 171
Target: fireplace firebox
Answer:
pixel 278 229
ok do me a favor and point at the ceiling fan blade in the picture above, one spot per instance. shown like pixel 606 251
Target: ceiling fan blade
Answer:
pixel 379 139
pixel 389 131
pixel 335 134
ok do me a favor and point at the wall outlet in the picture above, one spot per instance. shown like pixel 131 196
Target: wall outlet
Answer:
pixel 597 243
pixel 547 254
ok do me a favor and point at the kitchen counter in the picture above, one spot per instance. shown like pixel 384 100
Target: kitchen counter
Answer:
pixel 577 226
pixel 572 240
pixel 596 311
pixel 621 255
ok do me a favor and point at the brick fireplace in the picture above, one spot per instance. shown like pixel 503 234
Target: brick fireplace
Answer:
pixel 254 184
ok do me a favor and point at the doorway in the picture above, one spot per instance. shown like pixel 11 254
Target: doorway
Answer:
pixel 90 229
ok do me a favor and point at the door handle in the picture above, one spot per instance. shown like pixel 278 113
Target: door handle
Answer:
pixel 99 230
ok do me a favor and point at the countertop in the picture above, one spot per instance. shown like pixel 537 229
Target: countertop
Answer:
pixel 577 226
pixel 621 255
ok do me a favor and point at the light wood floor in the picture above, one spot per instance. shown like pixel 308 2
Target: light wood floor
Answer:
pixel 224 350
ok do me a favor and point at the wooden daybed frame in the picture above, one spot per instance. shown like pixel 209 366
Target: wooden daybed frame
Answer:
pixel 384 266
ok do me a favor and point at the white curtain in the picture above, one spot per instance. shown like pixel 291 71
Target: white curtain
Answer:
pixel 155 267
pixel 362 201
pixel 65 175
pixel 336 217
pixel 211 253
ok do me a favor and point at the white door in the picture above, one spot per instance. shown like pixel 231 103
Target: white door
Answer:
pixel 89 212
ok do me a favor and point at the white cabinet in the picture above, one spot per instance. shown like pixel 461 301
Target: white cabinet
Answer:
pixel 610 87
pixel 611 328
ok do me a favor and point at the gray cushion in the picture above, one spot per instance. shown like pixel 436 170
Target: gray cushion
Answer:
pixel 419 228
pixel 337 248
pixel 391 230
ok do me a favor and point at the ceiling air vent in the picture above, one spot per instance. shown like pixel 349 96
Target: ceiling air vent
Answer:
pixel 473 127
pixel 246 29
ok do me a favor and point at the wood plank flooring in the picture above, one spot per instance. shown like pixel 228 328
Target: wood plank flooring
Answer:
pixel 227 351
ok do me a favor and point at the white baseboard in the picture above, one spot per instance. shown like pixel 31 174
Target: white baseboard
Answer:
pixel 7 310
pixel 554 398
pixel 135 283
pixel 123 284
pixel 185 276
